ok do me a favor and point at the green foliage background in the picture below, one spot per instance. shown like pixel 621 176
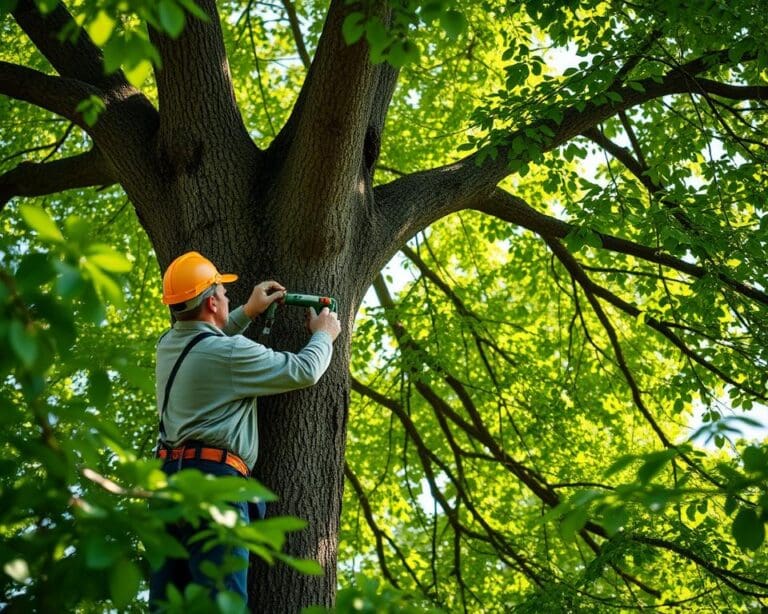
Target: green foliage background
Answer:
pixel 502 453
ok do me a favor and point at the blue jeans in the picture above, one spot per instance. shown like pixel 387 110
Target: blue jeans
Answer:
pixel 181 572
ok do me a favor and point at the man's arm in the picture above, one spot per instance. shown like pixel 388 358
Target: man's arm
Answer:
pixel 257 370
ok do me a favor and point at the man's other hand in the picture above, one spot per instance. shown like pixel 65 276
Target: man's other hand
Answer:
pixel 326 321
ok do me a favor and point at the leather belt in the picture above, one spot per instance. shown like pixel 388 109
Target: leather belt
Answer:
pixel 217 455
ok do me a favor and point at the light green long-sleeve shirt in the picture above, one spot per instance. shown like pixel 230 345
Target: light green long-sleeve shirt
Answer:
pixel 213 398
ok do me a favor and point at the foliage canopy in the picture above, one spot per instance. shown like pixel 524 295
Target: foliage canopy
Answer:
pixel 524 374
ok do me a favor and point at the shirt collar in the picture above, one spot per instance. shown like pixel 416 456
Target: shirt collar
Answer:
pixel 196 325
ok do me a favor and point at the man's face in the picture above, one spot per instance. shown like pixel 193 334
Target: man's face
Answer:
pixel 222 305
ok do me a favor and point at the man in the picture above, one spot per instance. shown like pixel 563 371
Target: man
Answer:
pixel 208 379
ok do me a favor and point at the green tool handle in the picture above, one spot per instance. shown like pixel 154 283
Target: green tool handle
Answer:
pixel 302 300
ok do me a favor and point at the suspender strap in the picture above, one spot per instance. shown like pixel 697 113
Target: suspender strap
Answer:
pixel 197 339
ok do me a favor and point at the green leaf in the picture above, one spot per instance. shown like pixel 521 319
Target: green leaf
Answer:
pixel 114 51
pixel 353 27
pixel 99 388
pixel 90 109
pixel 454 23
pixel 573 522
pixel 431 11
pixel 653 464
pixel 41 222
pixel 614 519
pixel 620 463
pixel 70 281
pixel 124 580
pixel 138 376
pixel 171 17
pixel 748 529
pixel 107 259
pixel 34 271
pixel 100 553
pixel 106 287
pixel 100 29
pixel 230 603
pixel 23 343
pixel 403 53
pixel 138 74
pixel 305 566
pixel 754 458
pixel 195 10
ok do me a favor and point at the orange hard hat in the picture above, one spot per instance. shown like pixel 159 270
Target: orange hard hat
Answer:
pixel 190 275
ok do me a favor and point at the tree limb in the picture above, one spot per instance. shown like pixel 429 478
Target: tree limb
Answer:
pixel 515 210
pixel 81 59
pixel 325 135
pixel 36 179
pixel 379 534
pixel 61 95
pixel 298 37
pixel 411 203
pixel 733 92
pixel 195 92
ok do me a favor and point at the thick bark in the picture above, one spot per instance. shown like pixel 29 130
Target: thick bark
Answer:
pixel 321 147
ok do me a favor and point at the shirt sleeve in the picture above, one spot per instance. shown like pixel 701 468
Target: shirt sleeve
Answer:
pixel 257 370
pixel 237 322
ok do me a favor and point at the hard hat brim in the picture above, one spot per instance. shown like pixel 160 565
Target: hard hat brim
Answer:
pixel 227 278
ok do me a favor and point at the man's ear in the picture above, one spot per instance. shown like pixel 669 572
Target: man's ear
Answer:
pixel 210 303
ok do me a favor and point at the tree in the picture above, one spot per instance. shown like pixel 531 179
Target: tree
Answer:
pixel 670 232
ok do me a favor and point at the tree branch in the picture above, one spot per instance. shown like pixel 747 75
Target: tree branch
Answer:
pixel 733 92
pixel 196 94
pixel 325 135
pixel 379 534
pixel 60 95
pixel 515 210
pixel 81 59
pixel 411 203
pixel 123 131
pixel 36 179
pixel 298 37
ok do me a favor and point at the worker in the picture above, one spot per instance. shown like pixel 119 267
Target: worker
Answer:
pixel 208 379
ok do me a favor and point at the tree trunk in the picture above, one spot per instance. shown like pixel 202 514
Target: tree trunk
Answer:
pixel 302 434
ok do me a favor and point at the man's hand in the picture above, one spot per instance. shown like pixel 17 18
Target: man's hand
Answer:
pixel 326 321
pixel 263 295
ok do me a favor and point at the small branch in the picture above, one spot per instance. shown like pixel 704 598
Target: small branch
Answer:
pixel 298 37
pixel 733 92
pixel 54 147
pixel 515 210
pixel 378 533
pixel 113 487
pixel 81 59
pixel 725 575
